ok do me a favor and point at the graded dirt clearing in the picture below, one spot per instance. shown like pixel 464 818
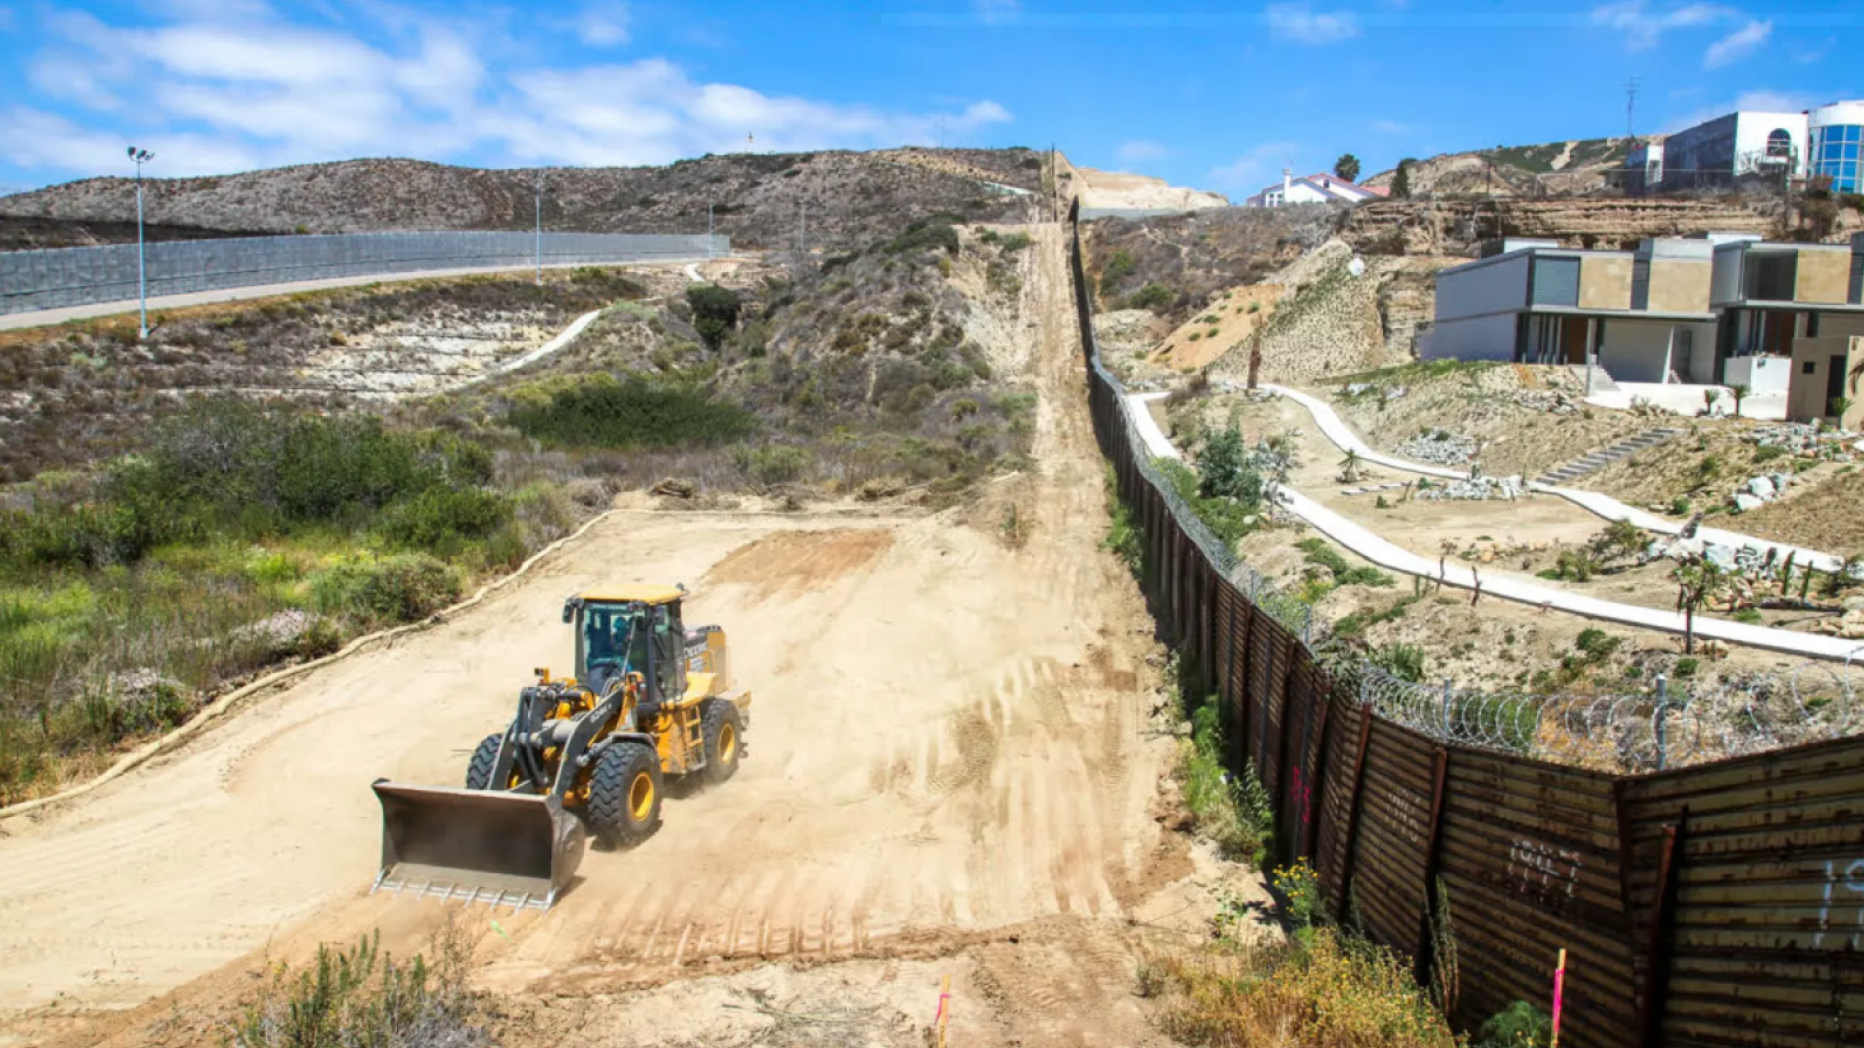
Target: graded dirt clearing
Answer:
pixel 947 756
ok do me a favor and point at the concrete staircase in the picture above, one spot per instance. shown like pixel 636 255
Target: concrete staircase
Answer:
pixel 1597 460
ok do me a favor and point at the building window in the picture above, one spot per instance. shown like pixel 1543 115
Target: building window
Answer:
pixel 1780 143
pixel 1835 155
pixel 1809 368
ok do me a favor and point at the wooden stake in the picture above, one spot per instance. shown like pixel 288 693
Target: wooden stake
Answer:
pixel 944 1006
pixel 1559 994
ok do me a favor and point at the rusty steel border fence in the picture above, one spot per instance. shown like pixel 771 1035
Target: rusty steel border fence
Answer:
pixel 1715 905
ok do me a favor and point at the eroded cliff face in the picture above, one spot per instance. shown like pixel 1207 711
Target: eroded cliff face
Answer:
pixel 1456 227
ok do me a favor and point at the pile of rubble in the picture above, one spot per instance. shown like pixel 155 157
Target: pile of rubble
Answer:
pixel 1439 448
pixel 1549 400
pixel 1469 489
pixel 1356 390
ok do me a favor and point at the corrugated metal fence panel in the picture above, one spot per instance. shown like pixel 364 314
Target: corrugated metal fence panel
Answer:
pixel 1337 796
pixel 1765 945
pixel 1306 725
pixel 1531 856
pixel 54 279
pixel 1393 833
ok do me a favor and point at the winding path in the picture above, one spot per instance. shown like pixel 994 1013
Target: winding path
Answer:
pixel 1389 555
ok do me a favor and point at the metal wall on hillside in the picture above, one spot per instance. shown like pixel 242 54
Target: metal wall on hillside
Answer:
pixel 76 276
pixel 1718 905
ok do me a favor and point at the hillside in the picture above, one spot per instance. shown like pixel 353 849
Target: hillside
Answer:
pixel 760 200
pixel 1551 168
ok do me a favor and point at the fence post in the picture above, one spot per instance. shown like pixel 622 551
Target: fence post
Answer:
pixel 1447 689
pixel 1352 811
pixel 1433 847
pixel 1657 960
pixel 1663 712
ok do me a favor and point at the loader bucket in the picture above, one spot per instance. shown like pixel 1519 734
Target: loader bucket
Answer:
pixel 476 845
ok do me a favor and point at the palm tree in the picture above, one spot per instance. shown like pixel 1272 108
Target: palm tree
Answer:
pixel 1351 466
pixel 1739 391
pixel 1840 405
pixel 1709 397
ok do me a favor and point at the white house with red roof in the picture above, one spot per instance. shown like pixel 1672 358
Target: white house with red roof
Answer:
pixel 1313 189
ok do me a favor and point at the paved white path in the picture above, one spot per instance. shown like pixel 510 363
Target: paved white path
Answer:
pixel 46 317
pixel 1506 587
pixel 564 338
pixel 1597 503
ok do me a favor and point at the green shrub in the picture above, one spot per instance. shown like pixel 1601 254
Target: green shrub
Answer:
pixel 1767 453
pixel 386 591
pixel 1015 242
pixel 1687 666
pixel 1404 661
pixel 634 413
pixel 774 464
pixel 1596 644
pixel 442 519
pixel 1521 1025
pixel 933 231
pixel 715 312
pixel 1118 267
pixel 362 998
pixel 1152 296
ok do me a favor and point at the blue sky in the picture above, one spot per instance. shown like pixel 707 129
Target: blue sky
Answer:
pixel 1217 96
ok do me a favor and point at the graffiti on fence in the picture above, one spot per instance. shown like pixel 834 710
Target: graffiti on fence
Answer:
pixel 1543 871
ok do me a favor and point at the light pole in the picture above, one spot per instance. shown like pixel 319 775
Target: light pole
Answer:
pixel 141 157
pixel 540 228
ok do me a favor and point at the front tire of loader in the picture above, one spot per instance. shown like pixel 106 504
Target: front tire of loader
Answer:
pixel 724 740
pixel 624 795
pixel 484 759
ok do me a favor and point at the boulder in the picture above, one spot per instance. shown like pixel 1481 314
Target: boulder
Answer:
pixel 675 487
pixel 1720 556
pixel 1780 481
pixel 1745 502
pixel 1761 488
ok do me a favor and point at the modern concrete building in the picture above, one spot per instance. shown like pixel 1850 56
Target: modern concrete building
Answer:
pixel 1827 369
pixel 1837 132
pixel 1643 315
pixel 1768 296
pixel 1718 152
pixel 1313 189
pixel 1643 168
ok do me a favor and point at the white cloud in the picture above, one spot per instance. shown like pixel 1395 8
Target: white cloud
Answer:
pixel 1642 28
pixel 996 12
pixel 1817 54
pixel 1300 23
pixel 1737 45
pixel 1255 169
pixel 1393 127
pixel 603 24
pixel 213 95
pixel 1139 149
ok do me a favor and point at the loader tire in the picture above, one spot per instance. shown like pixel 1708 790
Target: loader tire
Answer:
pixel 724 740
pixel 479 772
pixel 624 795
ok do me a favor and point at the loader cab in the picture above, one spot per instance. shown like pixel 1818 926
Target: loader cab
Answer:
pixel 630 630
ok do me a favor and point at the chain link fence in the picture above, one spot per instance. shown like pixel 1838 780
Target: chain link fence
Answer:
pixel 78 276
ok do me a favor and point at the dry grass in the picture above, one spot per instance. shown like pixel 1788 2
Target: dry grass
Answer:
pixel 1331 992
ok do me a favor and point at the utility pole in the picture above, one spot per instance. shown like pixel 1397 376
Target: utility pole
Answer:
pixel 1630 106
pixel 539 185
pixel 141 157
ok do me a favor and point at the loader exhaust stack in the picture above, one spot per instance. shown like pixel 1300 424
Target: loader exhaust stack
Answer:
pixel 503 849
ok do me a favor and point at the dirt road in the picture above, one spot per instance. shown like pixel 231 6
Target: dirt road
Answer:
pixel 946 738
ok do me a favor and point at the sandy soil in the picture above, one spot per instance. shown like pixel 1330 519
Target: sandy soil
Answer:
pixel 1118 189
pixel 946 759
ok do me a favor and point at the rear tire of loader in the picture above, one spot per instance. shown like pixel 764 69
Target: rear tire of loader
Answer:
pixel 724 740
pixel 624 795
pixel 484 759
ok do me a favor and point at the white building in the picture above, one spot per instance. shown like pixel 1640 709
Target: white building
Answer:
pixel 1716 153
pixel 1313 189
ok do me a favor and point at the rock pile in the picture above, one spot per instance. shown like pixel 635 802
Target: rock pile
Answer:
pixel 1549 400
pixel 1759 491
pixel 1471 489
pixel 1439 448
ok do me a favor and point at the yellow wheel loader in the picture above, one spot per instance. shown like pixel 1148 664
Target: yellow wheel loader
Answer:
pixel 584 755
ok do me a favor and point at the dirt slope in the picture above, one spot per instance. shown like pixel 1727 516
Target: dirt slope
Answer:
pixel 757 198
pixel 945 740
